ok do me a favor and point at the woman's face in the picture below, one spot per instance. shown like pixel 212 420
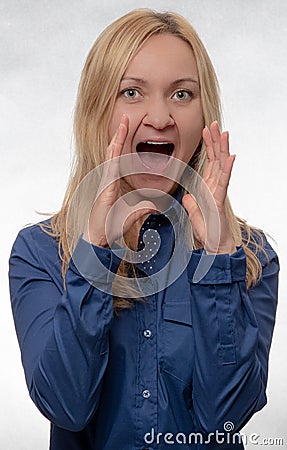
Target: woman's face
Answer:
pixel 160 94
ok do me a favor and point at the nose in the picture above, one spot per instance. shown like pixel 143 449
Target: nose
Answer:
pixel 158 115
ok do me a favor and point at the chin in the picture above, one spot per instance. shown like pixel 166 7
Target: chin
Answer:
pixel 148 186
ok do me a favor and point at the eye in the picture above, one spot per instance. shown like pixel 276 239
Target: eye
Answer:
pixel 183 95
pixel 130 93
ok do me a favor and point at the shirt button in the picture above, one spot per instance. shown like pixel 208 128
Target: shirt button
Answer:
pixel 147 333
pixel 146 393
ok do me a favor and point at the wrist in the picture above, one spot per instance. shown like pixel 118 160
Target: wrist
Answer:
pixel 221 250
pixel 97 241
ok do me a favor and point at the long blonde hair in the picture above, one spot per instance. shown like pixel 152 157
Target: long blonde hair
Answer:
pixel 98 89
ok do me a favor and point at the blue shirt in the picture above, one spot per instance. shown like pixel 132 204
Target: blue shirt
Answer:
pixel 186 363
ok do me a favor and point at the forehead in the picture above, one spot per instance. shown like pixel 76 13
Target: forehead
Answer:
pixel 165 55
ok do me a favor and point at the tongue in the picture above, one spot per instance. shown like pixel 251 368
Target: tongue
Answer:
pixel 154 156
pixel 154 160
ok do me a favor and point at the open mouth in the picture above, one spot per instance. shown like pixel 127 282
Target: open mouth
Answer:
pixel 155 155
pixel 162 148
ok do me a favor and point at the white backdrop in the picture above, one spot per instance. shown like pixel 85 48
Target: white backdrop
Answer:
pixel 43 47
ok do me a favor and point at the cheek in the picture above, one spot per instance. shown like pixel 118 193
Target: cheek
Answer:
pixel 190 121
pixel 190 136
pixel 191 132
pixel 135 116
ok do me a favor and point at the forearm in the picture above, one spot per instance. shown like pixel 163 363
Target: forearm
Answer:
pixel 66 381
pixel 63 335
pixel 230 371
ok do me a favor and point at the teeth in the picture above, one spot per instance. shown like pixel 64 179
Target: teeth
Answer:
pixel 156 143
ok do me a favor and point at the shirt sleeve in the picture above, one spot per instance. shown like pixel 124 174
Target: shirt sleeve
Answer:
pixel 63 335
pixel 233 329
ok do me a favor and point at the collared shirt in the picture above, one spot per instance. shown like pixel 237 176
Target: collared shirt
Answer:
pixel 183 368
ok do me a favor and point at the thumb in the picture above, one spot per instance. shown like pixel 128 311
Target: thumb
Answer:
pixel 191 206
pixel 137 211
pixel 195 217
pixel 121 217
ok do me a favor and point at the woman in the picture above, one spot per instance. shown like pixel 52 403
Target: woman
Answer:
pixel 116 367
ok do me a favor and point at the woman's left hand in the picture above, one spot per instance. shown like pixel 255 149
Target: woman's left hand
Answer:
pixel 216 176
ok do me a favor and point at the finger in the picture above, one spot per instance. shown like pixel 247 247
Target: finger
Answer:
pixel 113 151
pixel 208 144
pixel 213 164
pixel 221 190
pixel 191 206
pixel 121 136
pixel 224 148
pixel 118 138
pixel 209 153
pixel 215 136
pixel 110 148
pixel 217 149
pixel 224 143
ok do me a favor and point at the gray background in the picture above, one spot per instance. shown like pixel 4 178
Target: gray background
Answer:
pixel 43 47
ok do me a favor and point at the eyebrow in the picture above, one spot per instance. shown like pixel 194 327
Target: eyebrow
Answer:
pixel 174 83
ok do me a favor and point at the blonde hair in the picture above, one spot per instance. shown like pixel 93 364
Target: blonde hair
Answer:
pixel 98 89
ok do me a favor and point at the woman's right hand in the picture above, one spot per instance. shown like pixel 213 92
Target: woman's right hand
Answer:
pixel 122 216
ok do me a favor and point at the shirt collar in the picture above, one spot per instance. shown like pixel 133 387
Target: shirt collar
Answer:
pixel 173 212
